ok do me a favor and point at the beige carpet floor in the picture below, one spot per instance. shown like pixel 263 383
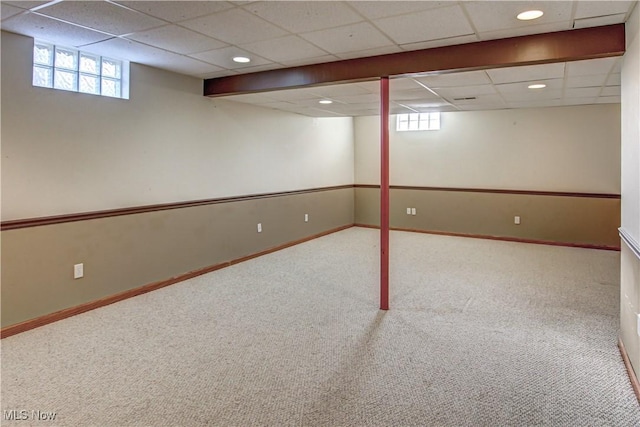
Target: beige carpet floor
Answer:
pixel 480 333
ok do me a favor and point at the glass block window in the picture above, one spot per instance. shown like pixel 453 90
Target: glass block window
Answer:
pixel 63 68
pixel 418 121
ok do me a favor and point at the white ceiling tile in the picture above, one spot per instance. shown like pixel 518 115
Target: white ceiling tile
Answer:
pixel 26 4
pixel 488 99
pixel 586 81
pixel 257 68
pixel 359 99
pixel 315 102
pixel 402 83
pixel 288 48
pixel 525 31
pixel 531 95
pixel 426 106
pixel 224 58
pixel 234 26
pixel 137 52
pixel 372 86
pixel 522 87
pixel 184 65
pixel 102 16
pixel 499 15
pixel 177 39
pixel 527 73
pixel 444 22
pixel 384 9
pixel 608 100
pixel 305 16
pixel 348 38
pixel 280 105
pixel 370 52
pixel 293 95
pixel 289 106
pixel 9 11
pixel 316 112
pixel 353 110
pixel 599 21
pixel 483 107
pixel 579 101
pixel 364 113
pixel 469 78
pixel 450 41
pixel 52 30
pixel 532 103
pixel 422 104
pixel 611 91
pixel 411 95
pixel 582 92
pixel 400 109
pixel 176 11
pixel 617 67
pixel 465 91
pixel 588 9
pixel 345 89
pixel 614 80
pixel 306 61
pixel 590 67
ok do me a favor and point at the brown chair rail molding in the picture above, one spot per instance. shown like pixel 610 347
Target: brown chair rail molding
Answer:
pixel 83 216
pixel 497 191
pixel 59 219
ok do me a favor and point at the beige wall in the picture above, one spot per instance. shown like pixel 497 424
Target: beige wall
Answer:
pixel 66 152
pixel 574 149
pixel 127 252
pixel 630 261
pixel 560 219
pixel 561 149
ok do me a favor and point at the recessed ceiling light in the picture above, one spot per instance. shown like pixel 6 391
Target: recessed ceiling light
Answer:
pixel 241 59
pixel 325 101
pixel 537 86
pixel 529 15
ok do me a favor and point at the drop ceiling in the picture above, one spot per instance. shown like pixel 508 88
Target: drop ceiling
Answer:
pixel 199 38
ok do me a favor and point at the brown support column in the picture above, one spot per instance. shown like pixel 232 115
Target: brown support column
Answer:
pixel 384 193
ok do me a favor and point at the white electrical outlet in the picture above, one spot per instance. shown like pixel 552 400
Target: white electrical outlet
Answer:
pixel 306 217
pixel 413 211
pixel 516 220
pixel 259 227
pixel 408 211
pixel 638 325
pixel 78 271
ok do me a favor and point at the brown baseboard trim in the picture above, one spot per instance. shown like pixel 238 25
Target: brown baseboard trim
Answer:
pixel 502 238
pixel 632 375
pixel 83 308
pixel 59 219
pixel 496 191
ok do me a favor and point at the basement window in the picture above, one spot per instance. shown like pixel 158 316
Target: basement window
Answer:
pixel 69 69
pixel 418 121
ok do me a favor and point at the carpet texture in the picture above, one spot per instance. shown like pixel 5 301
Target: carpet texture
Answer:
pixel 480 333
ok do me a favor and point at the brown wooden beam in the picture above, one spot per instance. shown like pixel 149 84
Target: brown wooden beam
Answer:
pixel 571 45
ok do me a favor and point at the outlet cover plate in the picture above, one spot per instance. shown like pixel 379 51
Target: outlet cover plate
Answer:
pixel 78 271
